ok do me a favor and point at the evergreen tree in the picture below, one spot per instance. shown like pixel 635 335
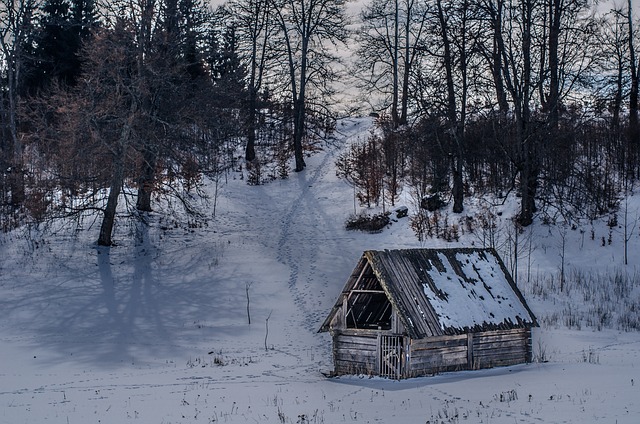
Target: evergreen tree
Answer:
pixel 64 26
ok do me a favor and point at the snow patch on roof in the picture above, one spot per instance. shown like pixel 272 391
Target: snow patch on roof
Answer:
pixel 482 294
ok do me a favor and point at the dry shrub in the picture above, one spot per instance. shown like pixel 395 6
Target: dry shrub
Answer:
pixel 366 222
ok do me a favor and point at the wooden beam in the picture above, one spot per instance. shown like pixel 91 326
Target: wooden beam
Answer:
pixel 364 268
pixel 367 291
pixel 470 351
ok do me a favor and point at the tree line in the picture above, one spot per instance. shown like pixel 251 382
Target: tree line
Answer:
pixel 111 105
pixel 535 97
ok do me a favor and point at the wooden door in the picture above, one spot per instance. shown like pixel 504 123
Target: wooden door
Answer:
pixel 391 356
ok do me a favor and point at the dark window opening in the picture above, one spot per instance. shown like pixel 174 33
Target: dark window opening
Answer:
pixel 369 311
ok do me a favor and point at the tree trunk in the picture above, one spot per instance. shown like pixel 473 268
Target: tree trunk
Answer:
pixel 16 179
pixel 458 187
pixel 553 99
pixel 255 79
pixel 528 152
pixel 498 50
pixel 117 179
pixel 454 127
pixel 395 117
pixel 298 134
pixel 528 187
pixel 250 150
pixel 147 180
pixel 617 99
pixel 407 62
pixel 299 108
pixel 633 93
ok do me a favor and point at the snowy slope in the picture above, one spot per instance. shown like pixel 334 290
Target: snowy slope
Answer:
pixel 157 331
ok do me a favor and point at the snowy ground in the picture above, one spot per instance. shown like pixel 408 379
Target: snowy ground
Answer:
pixel 157 331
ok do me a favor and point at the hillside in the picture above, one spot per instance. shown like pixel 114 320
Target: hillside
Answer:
pixel 155 330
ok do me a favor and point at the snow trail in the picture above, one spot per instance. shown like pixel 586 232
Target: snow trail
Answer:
pixel 308 244
pixel 305 215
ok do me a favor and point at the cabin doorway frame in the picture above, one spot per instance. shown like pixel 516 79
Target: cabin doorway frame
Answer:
pixel 392 358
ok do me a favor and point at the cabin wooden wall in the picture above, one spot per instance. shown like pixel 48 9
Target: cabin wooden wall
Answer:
pixel 437 354
pixel 469 351
pixel 501 348
pixel 358 351
pixel 355 352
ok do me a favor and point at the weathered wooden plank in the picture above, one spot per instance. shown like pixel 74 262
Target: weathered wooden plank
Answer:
pixel 485 342
pixel 355 351
pixel 355 368
pixel 470 352
pixel 444 344
pixel 350 357
pixel 356 347
pixel 489 355
pixel 497 363
pixel 458 353
pixel 512 344
pixel 443 351
pixel 500 337
pixel 364 361
pixel 499 353
pixel 439 344
pixel 497 345
pixel 505 331
pixel 493 339
pixel 501 333
pixel 489 362
pixel 426 369
pixel 371 341
pixel 431 340
pixel 351 347
pixel 355 332
pixel 440 338
pixel 459 361
pixel 367 341
pixel 367 360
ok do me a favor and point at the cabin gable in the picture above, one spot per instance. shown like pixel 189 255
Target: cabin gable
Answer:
pixel 364 304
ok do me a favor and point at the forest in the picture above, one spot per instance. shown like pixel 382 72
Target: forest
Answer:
pixel 109 107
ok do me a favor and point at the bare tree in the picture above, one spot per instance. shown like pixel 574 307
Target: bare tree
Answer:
pixel 517 38
pixel 391 41
pixel 567 55
pixel 254 22
pixel 308 29
pixel 634 67
pixel 613 63
pixel 128 120
pixel 458 41
pixel 491 16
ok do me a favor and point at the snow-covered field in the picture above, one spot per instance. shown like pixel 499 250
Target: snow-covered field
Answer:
pixel 156 330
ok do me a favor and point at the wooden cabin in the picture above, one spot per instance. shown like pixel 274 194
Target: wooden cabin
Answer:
pixel 415 312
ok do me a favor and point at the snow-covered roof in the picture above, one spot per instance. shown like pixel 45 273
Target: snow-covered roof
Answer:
pixel 448 291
